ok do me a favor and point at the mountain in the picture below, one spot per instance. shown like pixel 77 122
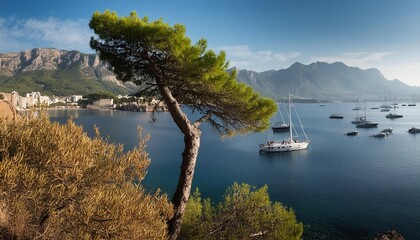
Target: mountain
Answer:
pixel 57 72
pixel 324 81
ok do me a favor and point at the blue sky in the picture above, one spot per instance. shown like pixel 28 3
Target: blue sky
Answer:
pixel 257 35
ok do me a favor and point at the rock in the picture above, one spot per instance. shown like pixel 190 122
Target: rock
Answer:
pixel 53 59
pixel 390 235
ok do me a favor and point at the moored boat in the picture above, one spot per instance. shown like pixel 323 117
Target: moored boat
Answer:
pixel 393 115
pixel 358 120
pixel 364 123
pixel 379 135
pixel 336 116
pixel 283 145
pixel 367 124
pixel 280 127
pixel 414 130
pixel 286 145
pixel 387 130
pixel 352 133
pixel 386 106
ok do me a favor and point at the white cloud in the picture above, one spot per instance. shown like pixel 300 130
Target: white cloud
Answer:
pixel 18 35
pixel 241 56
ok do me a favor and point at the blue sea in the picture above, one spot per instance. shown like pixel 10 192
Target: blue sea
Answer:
pixel 341 187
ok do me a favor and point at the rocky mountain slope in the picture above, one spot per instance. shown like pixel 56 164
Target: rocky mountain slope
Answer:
pixel 325 81
pixel 57 72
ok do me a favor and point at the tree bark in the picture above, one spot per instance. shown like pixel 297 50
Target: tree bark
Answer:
pixel 183 190
pixel 192 136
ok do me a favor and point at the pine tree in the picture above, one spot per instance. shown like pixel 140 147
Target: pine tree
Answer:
pixel 163 61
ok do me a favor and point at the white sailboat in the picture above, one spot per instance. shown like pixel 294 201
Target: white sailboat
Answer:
pixel 286 145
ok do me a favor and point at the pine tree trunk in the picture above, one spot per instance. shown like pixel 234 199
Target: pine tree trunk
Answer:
pixel 192 136
pixel 182 194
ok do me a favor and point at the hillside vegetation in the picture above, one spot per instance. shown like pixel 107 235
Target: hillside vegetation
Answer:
pixel 57 183
pixel 63 82
pixel 58 72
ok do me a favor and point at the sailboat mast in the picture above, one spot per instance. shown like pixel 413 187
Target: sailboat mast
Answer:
pixel 290 120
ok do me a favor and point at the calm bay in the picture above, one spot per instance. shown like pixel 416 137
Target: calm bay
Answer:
pixel 341 187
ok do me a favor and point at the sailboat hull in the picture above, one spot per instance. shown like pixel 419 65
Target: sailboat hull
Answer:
pixel 281 129
pixel 283 146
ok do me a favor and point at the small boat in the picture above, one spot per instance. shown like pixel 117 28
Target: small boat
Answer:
pixel 379 135
pixel 286 145
pixel 411 104
pixel 352 133
pixel 374 108
pixel 385 110
pixel 358 120
pixel 404 104
pixel 336 116
pixel 357 108
pixel 386 106
pixel 414 130
pixel 367 124
pixel 322 105
pixel 387 130
pixel 280 127
pixel 393 115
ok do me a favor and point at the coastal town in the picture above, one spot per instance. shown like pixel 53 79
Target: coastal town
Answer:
pixel 119 102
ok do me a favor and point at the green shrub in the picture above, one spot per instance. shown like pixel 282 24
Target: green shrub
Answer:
pixel 245 213
pixel 57 183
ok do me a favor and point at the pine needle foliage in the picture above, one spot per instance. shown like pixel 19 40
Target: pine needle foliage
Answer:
pixel 58 183
pixel 154 54
pixel 244 213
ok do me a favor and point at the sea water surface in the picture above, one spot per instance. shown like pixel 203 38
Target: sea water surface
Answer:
pixel 341 187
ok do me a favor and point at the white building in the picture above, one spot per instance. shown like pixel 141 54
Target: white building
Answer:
pixel 23 102
pixel 35 99
pixel 102 103
pixel 76 98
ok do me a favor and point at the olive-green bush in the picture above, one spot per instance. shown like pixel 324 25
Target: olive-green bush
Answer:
pixel 244 213
pixel 58 183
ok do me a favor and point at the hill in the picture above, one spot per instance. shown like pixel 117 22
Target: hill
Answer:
pixel 60 72
pixel 324 81
pixel 57 72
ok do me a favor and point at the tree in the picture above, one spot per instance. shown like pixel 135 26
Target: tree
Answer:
pixel 58 183
pixel 161 59
pixel 245 213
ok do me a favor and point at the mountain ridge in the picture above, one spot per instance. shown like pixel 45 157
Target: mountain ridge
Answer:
pixel 49 70
pixel 326 81
pixel 62 72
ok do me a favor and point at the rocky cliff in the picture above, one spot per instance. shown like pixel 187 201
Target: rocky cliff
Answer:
pixel 17 67
pixel 54 59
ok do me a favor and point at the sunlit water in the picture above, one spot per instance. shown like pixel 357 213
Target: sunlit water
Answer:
pixel 341 187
